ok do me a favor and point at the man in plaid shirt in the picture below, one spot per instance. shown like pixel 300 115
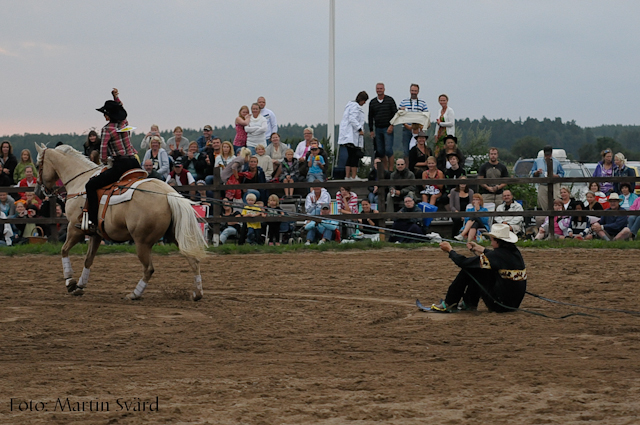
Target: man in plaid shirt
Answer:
pixel 115 144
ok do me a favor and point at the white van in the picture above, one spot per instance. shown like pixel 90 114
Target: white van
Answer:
pixel 559 154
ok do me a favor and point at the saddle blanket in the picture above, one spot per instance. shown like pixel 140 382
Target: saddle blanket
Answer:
pixel 125 197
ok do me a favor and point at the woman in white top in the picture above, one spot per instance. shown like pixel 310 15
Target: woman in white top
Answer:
pixel 256 129
pixel 158 156
pixel 226 155
pixel 155 131
pixel 276 151
pixel 264 161
pixel 446 123
pixel 351 135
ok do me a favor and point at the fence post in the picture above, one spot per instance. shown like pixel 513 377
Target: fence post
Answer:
pixel 217 208
pixel 53 237
pixel 550 196
pixel 382 195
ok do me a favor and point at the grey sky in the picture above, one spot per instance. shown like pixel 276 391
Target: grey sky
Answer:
pixel 190 63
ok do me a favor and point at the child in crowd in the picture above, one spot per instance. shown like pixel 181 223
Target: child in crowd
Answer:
pixel 264 161
pixel 288 172
pixel 230 228
pixel 316 165
pixel 252 210
pixel 561 225
pixel 580 226
pixel 324 229
pixel 273 226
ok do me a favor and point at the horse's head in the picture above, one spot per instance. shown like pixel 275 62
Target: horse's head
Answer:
pixel 47 175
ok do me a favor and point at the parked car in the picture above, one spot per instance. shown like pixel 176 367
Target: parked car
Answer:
pixel 523 166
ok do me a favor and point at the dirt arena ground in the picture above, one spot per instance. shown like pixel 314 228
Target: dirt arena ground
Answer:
pixel 328 338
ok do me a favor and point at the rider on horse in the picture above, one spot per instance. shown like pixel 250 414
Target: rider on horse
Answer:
pixel 115 144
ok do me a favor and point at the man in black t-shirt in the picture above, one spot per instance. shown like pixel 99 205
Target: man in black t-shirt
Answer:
pixel 492 170
pixel 382 108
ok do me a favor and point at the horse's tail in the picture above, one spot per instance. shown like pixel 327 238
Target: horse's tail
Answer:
pixel 186 231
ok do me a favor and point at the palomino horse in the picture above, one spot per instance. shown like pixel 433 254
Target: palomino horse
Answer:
pixel 155 210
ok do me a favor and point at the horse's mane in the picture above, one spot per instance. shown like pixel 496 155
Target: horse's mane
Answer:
pixel 68 150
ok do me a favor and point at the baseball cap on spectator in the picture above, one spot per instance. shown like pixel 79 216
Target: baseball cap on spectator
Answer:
pixel 177 162
pixel 208 127
pixel 325 206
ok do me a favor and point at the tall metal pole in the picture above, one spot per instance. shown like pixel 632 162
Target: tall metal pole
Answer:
pixel 331 124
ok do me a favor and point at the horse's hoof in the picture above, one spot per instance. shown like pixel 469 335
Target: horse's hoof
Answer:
pixel 132 297
pixel 71 284
pixel 77 292
pixel 196 296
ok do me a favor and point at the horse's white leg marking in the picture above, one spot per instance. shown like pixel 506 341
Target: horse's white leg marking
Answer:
pixel 84 278
pixel 66 268
pixel 140 287
pixel 197 294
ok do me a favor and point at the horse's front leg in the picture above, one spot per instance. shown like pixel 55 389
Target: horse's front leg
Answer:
pixel 74 236
pixel 78 289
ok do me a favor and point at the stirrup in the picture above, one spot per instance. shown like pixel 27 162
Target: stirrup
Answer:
pixel 84 226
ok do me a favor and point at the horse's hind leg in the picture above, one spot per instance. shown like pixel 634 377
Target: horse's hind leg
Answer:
pixel 144 255
pixel 197 282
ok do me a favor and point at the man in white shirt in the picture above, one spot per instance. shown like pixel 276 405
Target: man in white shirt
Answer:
pixel 272 123
pixel 514 221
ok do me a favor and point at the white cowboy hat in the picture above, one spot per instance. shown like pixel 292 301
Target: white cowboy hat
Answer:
pixel 614 197
pixel 501 231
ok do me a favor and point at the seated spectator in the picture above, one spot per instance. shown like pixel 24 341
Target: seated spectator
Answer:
pixel 25 161
pixel 158 157
pixel 347 201
pixel 195 162
pixel 29 180
pixel 154 132
pixel 321 229
pixel 580 226
pixel 450 146
pixel 561 225
pixel 410 225
pixel 212 149
pixel 225 157
pixel 61 228
pixel 201 195
pixel 32 199
pixel 6 238
pixel 94 157
pixel 274 227
pixel 592 202
pixel 147 164
pixel 317 197
pixel 623 171
pixel 316 163
pixel 606 168
pixel 288 172
pixel 303 147
pixel 264 162
pixel 492 169
pixel 180 177
pixel 234 167
pixel 471 226
pixel 276 151
pixel 373 177
pixel 230 228
pixel 508 204
pixel 253 174
pixel 627 197
pixel 397 194
pixel 453 172
pixel 432 192
pixel 7 204
pixel 92 144
pixel 565 197
pixel 633 222
pixel 253 227
pixel 177 144
pixel 375 222
pixel 418 154
pixel 459 198
pixel 612 227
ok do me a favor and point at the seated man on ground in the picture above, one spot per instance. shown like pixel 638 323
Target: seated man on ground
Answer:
pixel 612 227
pixel 322 229
pixel 508 204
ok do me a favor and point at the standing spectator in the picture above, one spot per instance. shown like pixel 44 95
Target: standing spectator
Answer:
pixel 432 192
pixel 606 168
pixel 158 157
pixel 230 228
pixel 147 164
pixel 276 151
pixel 207 137
pixel 155 131
pixel 7 204
pixel 317 197
pixel 303 147
pixel 397 194
pixel 471 226
pixel 28 181
pixel 450 146
pixel 272 122
pixel 195 162
pixel 623 171
pixel 539 169
pixel 25 161
pixel 493 169
pixel 459 198
pixel 242 120
pixel 264 161
pixel 288 171
pixel 508 204
pixel 561 225
pixel 446 123
pixel 177 143
pixel 8 163
pixel 419 153
pixel 256 129
pixel 412 104
pixel 91 144
pixel 410 225
pixel 612 226
pixel 381 109
pixel 351 138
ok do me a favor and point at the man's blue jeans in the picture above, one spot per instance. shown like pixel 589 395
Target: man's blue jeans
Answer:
pixel 384 142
